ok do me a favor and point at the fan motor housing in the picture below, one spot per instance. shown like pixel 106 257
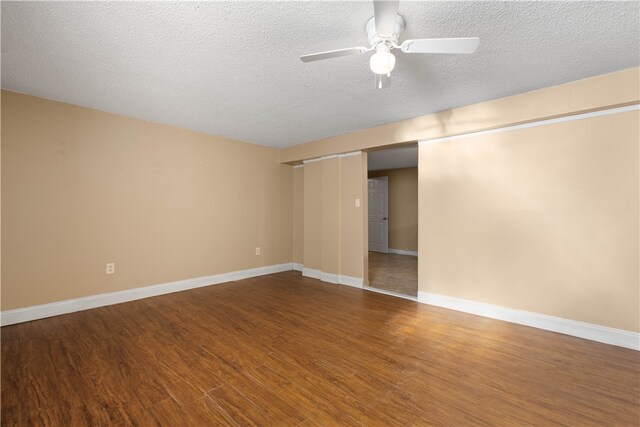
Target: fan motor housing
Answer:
pixel 375 39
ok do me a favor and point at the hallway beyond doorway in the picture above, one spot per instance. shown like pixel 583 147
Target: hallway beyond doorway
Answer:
pixel 395 273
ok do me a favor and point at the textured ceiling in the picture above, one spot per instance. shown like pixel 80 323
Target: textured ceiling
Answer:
pixel 393 158
pixel 232 68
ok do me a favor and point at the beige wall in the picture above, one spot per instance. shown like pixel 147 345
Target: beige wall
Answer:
pixel 542 219
pixel 330 215
pixel 403 207
pixel 615 89
pixel 298 215
pixel 312 238
pixel 81 188
pixel 334 227
pixel 353 220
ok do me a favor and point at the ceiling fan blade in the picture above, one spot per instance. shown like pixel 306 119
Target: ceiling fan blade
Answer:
pixel 385 13
pixel 382 81
pixel 333 54
pixel 458 45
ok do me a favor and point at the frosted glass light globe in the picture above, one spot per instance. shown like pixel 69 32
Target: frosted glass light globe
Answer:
pixel 383 61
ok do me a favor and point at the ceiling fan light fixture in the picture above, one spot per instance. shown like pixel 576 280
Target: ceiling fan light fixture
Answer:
pixel 383 33
pixel 383 61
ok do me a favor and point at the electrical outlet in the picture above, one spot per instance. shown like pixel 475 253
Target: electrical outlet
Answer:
pixel 257 251
pixel 110 268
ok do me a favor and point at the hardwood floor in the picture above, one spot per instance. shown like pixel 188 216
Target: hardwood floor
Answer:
pixel 393 272
pixel 285 350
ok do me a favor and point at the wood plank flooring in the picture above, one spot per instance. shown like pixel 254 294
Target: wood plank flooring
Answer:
pixel 284 350
pixel 393 272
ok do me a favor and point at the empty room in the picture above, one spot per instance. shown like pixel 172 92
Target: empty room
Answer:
pixel 315 213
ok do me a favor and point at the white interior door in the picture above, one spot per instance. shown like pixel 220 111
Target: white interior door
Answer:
pixel 379 214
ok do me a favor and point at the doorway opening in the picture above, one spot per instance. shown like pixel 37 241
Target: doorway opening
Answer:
pixel 393 220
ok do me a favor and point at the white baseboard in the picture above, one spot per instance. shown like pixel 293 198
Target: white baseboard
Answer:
pixel 355 282
pixel 329 277
pixel 403 252
pixel 19 315
pixel 337 279
pixel 574 328
pixel 393 294
pixel 311 273
pixel 297 266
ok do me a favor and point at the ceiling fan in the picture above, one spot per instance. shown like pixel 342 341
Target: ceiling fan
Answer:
pixel 383 31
